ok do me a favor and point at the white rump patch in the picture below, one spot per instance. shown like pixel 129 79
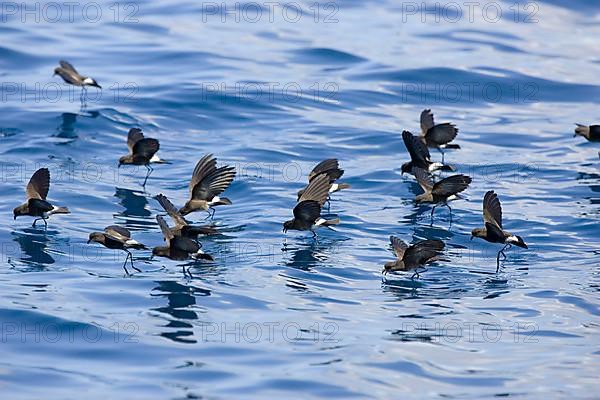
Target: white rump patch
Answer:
pixel 512 239
pixel 320 222
pixel 88 81
pixel 334 187
pixel 131 242
pixel 214 200
pixel 155 159
pixel 435 166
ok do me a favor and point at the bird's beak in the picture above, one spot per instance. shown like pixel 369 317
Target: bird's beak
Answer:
pixel 384 271
pixel 14 217
pixel 89 241
pixel 472 237
pixel 574 135
pixel 96 85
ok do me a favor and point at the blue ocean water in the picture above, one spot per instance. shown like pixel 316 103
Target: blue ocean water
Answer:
pixel 274 88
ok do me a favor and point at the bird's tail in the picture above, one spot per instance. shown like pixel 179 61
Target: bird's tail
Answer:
pixel 60 210
pixel 519 242
pixel 137 246
pixel 330 222
pixel 582 130
pixel 451 146
pixel 443 167
pixel 342 186
pixel 199 230
pixel 203 256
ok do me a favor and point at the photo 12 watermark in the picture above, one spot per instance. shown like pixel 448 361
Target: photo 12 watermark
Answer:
pixel 52 12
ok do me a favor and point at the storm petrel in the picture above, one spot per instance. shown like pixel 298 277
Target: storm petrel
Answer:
pixel 117 237
pixel 37 205
pixel 330 167
pixel 207 183
pixel 70 75
pixel 142 151
pixel 182 228
pixel 413 256
pixel 493 232
pixel 307 213
pixel 440 192
pixel 437 136
pixel 419 155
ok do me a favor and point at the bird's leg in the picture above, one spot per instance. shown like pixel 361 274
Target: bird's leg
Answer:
pixel 132 266
pixel 149 171
pixel 125 263
pixel 443 153
pixel 416 274
pixel 328 201
pixel 45 223
pixel 432 211
pixel 315 236
pixel 450 209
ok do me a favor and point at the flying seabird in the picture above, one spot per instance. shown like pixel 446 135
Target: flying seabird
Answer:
pixel 117 237
pixel 413 256
pixel 440 192
pixel 330 167
pixel 142 151
pixel 437 136
pixel 419 155
pixel 182 228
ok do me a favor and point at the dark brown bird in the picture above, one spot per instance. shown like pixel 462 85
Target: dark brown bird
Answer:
pixel 440 192
pixel 493 232
pixel 207 183
pixel 142 151
pixel 419 155
pixel 71 76
pixel 182 228
pixel 437 136
pixel 307 213
pixel 37 205
pixel 117 237
pixel 414 256
pixel 178 248
pixel 330 167
pixel 591 133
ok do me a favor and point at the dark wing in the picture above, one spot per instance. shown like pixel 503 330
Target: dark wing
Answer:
pixel 167 234
pixel 426 121
pixel 399 246
pixel 39 204
pixel 330 166
pixel 134 136
pixel 204 167
pixel 423 178
pixel 441 133
pixel 39 184
pixel 184 244
pixel 308 211
pixel 171 210
pixel 494 233
pixel 432 244
pixel 68 66
pixel 118 233
pixel 418 255
pixel 145 148
pixel 451 185
pixel 214 184
pixel 492 210
pixel 416 148
pixel 317 189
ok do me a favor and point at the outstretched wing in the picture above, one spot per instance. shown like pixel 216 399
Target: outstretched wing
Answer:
pixel 426 120
pixel 134 136
pixel 171 210
pixel 330 166
pixel 451 185
pixel 39 184
pixel 204 167
pixel 307 211
pixel 214 184
pixel 398 246
pixel 167 234
pixel 441 133
pixel 146 148
pixel 317 189
pixel 416 148
pixel 422 252
pixel 423 178
pixel 68 66
pixel 494 233
pixel 492 210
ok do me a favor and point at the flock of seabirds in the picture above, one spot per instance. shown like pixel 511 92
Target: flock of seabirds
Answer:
pixel 208 182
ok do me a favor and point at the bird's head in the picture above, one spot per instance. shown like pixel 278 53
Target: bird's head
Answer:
pixel 406 168
pixel 96 237
pixel 21 210
pixel 477 232
pixel 288 225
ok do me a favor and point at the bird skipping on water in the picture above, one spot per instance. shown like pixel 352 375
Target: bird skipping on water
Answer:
pixel 119 238
pixel 182 228
pixel 419 155
pixel 70 75
pixel 413 256
pixel 178 248
pixel 207 183
pixel 441 192
pixel 37 205
pixel 307 213
pixel 330 167
pixel 142 151
pixel 437 136
pixel 493 232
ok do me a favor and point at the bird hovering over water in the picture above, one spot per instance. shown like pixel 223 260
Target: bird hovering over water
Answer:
pixel 117 237
pixel 207 183
pixel 307 213
pixel 182 228
pixel 437 136
pixel 142 151
pixel 332 169
pixel 440 192
pixel 37 205
pixel 419 155
pixel 493 232
pixel 413 256
pixel 70 75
